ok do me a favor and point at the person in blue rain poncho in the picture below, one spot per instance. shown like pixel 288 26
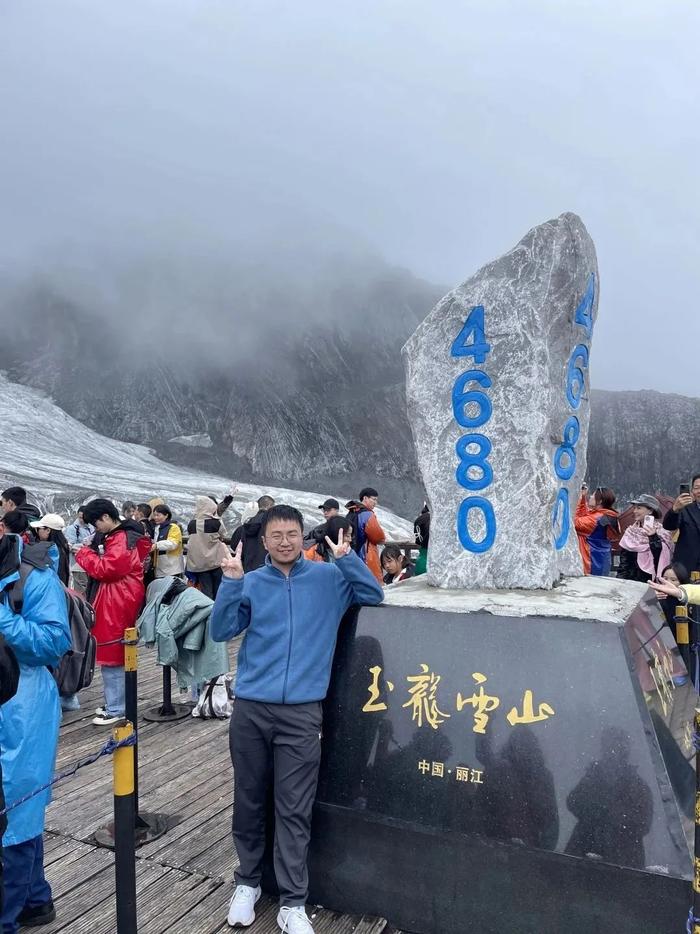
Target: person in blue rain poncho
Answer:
pixel 39 635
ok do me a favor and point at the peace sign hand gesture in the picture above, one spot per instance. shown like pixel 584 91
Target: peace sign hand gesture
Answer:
pixel 233 566
pixel 341 549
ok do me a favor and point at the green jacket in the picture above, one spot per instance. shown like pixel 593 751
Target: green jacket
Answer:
pixel 180 631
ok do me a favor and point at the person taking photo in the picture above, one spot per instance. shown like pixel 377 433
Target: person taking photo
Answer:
pixel 684 517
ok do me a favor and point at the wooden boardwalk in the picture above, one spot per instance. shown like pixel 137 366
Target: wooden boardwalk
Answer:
pixel 184 879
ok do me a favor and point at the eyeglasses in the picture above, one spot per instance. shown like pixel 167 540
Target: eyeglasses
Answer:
pixel 278 537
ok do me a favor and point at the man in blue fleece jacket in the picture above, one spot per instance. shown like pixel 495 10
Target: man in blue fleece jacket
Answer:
pixel 290 610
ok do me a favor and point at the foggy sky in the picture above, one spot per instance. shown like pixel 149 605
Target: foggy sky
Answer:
pixel 435 133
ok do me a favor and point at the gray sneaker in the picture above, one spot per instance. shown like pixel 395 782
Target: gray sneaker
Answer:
pixel 241 911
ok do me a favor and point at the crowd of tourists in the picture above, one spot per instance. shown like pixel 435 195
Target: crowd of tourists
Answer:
pixel 284 585
pixel 105 558
pixel 647 542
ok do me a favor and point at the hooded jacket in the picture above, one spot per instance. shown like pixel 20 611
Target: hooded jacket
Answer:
pixel 290 624
pixel 39 635
pixel 594 528
pixel 250 533
pixel 205 547
pixel 116 586
pixel 30 511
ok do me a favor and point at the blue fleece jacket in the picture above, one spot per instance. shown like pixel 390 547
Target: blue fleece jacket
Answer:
pixel 291 625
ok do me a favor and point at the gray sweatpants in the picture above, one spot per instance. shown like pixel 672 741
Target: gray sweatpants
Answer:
pixel 278 743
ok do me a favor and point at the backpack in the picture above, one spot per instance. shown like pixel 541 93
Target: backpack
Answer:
pixel 216 700
pixel 358 536
pixel 77 667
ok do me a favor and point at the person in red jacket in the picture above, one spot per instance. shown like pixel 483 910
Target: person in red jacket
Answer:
pixel 114 562
pixel 597 527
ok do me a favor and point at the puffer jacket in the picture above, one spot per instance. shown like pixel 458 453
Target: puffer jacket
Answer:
pixel 115 588
pixel 205 547
pixel 168 556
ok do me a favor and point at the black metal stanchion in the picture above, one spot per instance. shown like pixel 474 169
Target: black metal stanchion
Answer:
pixel 167 710
pixel 148 826
pixel 124 837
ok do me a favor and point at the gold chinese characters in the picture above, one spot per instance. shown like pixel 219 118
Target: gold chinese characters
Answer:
pixel 423 701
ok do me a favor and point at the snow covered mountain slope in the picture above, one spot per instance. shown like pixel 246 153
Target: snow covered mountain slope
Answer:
pixel 62 463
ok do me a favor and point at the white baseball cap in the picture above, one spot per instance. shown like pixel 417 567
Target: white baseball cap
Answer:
pixel 50 521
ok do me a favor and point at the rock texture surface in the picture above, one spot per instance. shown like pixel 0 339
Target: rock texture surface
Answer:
pixel 594 599
pixel 519 388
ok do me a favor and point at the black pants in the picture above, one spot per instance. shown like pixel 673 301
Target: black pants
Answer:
pixel 278 743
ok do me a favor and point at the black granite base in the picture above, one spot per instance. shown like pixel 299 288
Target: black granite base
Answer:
pixel 554 805
pixel 426 880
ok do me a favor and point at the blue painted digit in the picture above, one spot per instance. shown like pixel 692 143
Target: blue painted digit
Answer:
pixel 575 377
pixel 473 328
pixel 565 454
pixel 468 460
pixel 461 399
pixel 468 543
pixel 584 312
pixel 561 519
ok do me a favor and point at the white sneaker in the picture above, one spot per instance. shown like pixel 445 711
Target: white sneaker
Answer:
pixel 100 711
pixel 241 912
pixel 294 920
pixel 105 720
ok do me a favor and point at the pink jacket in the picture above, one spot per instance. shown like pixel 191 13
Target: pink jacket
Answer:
pixel 636 539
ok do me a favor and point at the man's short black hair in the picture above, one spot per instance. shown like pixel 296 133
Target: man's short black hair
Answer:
pixel 145 510
pixel 17 494
pixel 266 502
pixel 15 522
pixel 284 513
pixel 696 477
pixel 368 491
pixel 97 508
pixel 128 504
pixel 164 510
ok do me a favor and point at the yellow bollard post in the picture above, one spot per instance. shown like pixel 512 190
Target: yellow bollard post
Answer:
pixel 131 661
pixel 124 831
pixel 681 621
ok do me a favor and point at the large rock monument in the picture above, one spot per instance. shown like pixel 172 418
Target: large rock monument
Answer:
pixel 498 399
pixel 507 744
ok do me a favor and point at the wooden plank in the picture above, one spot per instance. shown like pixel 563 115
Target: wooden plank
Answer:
pixel 82 907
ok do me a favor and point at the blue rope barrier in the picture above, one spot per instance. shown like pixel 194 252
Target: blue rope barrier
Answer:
pixel 107 750
pixel 692 920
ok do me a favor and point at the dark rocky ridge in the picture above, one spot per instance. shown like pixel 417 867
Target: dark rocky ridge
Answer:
pixel 311 395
